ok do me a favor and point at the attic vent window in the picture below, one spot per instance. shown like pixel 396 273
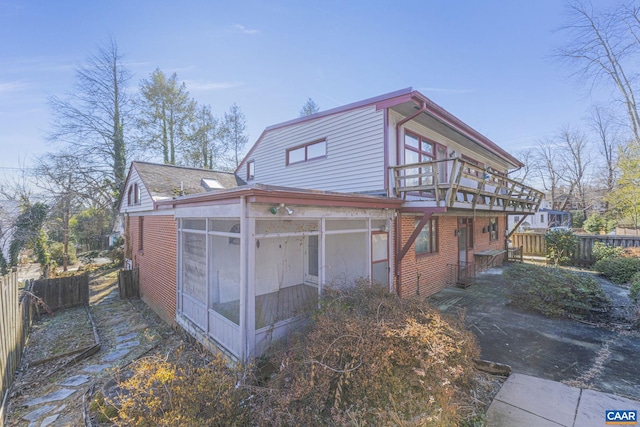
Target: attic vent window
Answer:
pixel 211 184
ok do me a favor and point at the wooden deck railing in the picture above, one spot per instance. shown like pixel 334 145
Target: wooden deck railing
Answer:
pixel 456 183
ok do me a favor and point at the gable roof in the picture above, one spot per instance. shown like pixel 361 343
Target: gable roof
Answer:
pixel 168 181
pixel 411 98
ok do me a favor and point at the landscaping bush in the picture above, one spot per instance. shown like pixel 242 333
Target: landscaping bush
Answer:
pixel 88 257
pixel 366 358
pixel 634 290
pixel 561 244
pixel 602 250
pixel 162 393
pixel 117 256
pixel 618 269
pixel 554 292
pixel 56 251
pixel 370 358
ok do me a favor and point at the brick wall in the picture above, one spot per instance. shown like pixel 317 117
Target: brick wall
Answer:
pixel 157 262
pixel 427 274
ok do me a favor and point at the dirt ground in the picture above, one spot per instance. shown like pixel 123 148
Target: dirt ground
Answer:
pixel 599 356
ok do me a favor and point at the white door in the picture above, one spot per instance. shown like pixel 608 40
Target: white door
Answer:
pixel 311 260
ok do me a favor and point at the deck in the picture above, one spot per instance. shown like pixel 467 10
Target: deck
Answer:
pixel 456 183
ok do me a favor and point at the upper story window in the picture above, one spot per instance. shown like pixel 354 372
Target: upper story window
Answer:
pixel 251 170
pixel 306 152
pixel 418 149
pixel 133 195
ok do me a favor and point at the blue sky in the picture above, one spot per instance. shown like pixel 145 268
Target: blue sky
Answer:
pixel 487 62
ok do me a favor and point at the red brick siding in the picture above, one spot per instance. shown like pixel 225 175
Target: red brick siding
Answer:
pixel 157 262
pixel 434 270
pixel 482 240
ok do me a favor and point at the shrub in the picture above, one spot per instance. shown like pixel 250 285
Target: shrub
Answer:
pixel 117 256
pixel 553 291
pixel 618 270
pixel 561 244
pixel 178 394
pixel 370 358
pixel 56 251
pixel 602 250
pixel 634 290
pixel 88 257
pixel 595 224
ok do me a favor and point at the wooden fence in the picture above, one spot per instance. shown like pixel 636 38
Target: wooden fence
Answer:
pixel 16 313
pixel 533 245
pixel 128 283
pixel 63 292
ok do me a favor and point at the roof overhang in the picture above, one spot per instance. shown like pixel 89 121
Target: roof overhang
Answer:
pixel 443 122
pixel 267 194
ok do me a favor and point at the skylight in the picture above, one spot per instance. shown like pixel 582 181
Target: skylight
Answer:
pixel 211 184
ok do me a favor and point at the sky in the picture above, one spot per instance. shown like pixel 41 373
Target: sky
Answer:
pixel 490 63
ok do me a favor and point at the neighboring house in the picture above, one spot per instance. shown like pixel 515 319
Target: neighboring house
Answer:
pixel 392 189
pixel 543 219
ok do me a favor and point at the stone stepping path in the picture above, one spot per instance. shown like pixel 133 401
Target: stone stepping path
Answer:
pixel 124 336
pixel 48 415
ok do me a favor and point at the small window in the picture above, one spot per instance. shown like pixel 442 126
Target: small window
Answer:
pixel 130 196
pixel 140 233
pixel 493 229
pixel 304 153
pixel 516 218
pixel 541 218
pixel 251 170
pixel 427 240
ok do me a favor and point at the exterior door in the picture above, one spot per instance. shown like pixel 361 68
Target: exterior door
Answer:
pixel 380 257
pixel 466 270
pixel 311 260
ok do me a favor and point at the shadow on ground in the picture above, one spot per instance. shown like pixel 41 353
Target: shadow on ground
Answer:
pixel 576 353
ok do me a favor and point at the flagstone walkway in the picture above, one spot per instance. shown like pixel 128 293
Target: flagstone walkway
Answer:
pixel 40 398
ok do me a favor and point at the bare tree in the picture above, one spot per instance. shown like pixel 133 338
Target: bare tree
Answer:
pixel 576 159
pixel 604 46
pixel 604 126
pixel 549 170
pixel 91 121
pixel 69 184
pixel 233 136
pixel 527 157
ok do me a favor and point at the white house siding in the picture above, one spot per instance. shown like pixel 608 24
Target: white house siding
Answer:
pixel 146 202
pixel 355 153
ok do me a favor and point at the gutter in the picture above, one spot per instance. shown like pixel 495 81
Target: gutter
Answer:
pixel 398 225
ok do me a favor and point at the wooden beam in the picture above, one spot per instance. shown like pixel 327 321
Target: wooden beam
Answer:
pixel 517 225
pixel 427 214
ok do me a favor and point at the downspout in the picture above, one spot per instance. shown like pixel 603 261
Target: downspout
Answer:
pixel 398 233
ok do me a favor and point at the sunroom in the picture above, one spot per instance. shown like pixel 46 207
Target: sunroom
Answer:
pixel 251 268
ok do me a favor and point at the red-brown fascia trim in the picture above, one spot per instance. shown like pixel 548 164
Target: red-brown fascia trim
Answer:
pixel 459 126
pixel 255 195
